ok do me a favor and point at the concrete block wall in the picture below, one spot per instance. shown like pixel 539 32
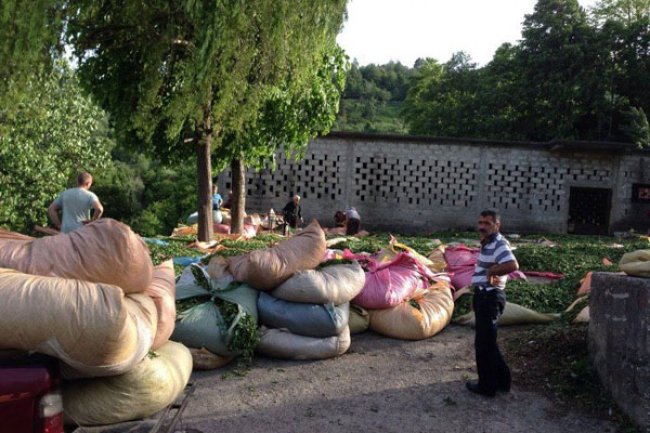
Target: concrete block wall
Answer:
pixel 417 184
pixel 619 340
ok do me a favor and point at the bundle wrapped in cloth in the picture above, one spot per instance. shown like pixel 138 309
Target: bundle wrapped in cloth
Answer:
pixel 423 315
pixel 335 284
pixel 105 251
pixel 94 328
pixel 267 269
pixel 280 343
pixel 149 387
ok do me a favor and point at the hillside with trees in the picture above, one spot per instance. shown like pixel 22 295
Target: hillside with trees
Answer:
pixel 574 74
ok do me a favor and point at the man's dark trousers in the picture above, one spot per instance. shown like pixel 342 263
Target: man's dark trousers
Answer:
pixel 493 373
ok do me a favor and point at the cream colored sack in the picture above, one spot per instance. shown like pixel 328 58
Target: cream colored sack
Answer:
pixel 149 387
pixel 636 263
pixel 93 328
pixel 163 292
pixel 423 316
pixel 280 343
pixel 513 314
pixel 267 269
pixel 359 319
pixel 335 284
pixel 105 251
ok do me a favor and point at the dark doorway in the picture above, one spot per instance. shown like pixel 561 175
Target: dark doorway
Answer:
pixel 589 210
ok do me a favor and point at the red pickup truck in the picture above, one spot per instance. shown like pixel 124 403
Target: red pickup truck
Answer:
pixel 30 398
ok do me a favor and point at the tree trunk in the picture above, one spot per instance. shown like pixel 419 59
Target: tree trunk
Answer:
pixel 204 174
pixel 238 196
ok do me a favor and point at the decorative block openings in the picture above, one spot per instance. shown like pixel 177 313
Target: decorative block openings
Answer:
pixel 438 184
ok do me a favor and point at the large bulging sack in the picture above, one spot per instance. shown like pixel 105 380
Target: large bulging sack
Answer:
pixel 267 269
pixel 636 263
pixel 425 314
pixel 154 383
pixel 390 283
pixel 336 284
pixel 204 325
pixel 513 314
pixel 105 251
pixel 280 343
pixel 163 292
pixel 93 328
pixel 312 320
pixel 461 261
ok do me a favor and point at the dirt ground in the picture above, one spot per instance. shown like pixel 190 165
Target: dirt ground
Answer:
pixel 380 385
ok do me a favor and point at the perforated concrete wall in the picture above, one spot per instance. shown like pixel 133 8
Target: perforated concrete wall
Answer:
pixel 420 184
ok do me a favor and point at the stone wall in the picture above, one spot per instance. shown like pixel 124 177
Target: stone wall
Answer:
pixel 619 340
pixel 420 184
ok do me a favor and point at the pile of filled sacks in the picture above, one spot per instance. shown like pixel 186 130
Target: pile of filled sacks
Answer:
pixel 303 310
pixel 403 296
pixel 93 299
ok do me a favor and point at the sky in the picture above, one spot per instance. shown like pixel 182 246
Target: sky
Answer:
pixel 378 31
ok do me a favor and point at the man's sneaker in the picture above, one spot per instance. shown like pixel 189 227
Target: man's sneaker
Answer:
pixel 476 389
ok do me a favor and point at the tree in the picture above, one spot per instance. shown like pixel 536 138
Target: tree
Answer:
pixel 191 72
pixel 289 118
pixel 624 11
pixel 52 134
pixel 442 98
pixel 560 63
pixel 29 43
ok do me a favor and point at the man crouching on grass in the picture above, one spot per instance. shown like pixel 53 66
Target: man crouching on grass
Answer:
pixel 494 263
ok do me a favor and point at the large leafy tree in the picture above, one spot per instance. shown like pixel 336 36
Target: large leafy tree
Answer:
pixel 52 133
pixel 190 72
pixel 290 116
pixel 560 61
pixel 442 99
pixel 29 42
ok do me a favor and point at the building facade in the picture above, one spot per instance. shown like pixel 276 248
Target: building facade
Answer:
pixel 422 184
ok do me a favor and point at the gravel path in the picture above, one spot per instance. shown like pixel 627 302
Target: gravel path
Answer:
pixel 380 385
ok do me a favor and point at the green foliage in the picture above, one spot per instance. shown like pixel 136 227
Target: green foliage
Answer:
pixel 45 140
pixel 638 129
pixel 29 45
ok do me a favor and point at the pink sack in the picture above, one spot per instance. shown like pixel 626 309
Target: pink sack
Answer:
pixel 221 228
pixel 461 261
pixel 390 283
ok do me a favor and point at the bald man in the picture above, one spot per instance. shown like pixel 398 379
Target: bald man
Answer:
pixel 76 204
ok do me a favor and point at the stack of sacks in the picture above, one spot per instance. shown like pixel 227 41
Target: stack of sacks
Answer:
pixel 66 299
pixel 203 326
pixel 307 316
pixel 400 299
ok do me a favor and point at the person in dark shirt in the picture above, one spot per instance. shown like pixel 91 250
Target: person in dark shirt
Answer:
pixel 353 224
pixel 293 212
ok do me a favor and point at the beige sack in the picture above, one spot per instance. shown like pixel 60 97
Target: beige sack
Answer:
pixel 93 328
pixel 267 269
pixel 163 292
pixel 105 251
pixel 203 359
pixel 636 263
pixel 513 314
pixel 407 321
pixel 359 320
pixel 335 284
pixel 280 343
pixel 149 387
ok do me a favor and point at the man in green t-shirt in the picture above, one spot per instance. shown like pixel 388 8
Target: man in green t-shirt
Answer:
pixel 76 204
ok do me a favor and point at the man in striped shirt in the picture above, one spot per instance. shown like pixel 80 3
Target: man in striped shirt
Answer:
pixel 494 263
